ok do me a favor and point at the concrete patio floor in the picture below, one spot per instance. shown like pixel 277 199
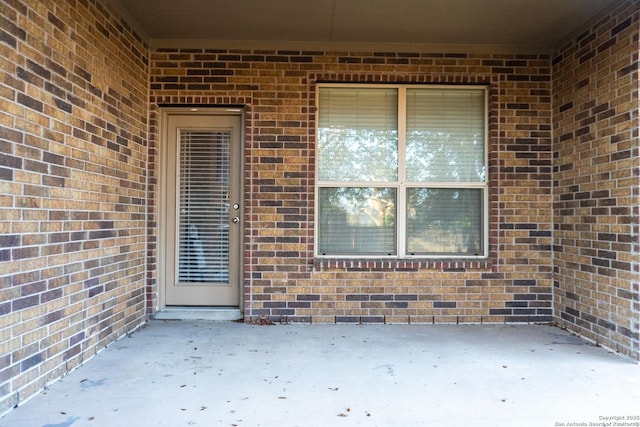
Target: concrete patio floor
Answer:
pixel 180 373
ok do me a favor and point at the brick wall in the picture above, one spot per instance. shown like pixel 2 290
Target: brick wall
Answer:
pixel 73 89
pixel 282 279
pixel 597 181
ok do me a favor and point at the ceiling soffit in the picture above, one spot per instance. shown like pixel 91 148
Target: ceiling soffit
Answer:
pixel 524 26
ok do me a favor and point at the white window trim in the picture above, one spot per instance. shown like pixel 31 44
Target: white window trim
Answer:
pixel 400 185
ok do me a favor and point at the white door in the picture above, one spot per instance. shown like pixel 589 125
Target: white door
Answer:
pixel 203 210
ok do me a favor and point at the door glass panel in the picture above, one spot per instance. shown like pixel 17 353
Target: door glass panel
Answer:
pixel 203 206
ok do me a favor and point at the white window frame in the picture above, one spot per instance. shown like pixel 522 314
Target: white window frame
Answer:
pixel 400 185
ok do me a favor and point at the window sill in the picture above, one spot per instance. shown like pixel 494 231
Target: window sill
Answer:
pixel 445 265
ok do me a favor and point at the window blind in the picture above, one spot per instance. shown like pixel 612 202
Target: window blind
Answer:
pixel 358 220
pixel 203 209
pixel 358 134
pixel 445 135
pixel 444 221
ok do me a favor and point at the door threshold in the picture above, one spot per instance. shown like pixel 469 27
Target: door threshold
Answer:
pixel 199 313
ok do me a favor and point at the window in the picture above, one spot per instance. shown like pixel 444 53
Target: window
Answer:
pixel 401 171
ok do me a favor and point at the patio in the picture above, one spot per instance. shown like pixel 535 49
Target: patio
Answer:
pixel 173 373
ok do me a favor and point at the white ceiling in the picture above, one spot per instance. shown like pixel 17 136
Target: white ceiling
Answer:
pixel 514 25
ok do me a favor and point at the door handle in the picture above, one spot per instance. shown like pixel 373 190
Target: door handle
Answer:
pixel 235 220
